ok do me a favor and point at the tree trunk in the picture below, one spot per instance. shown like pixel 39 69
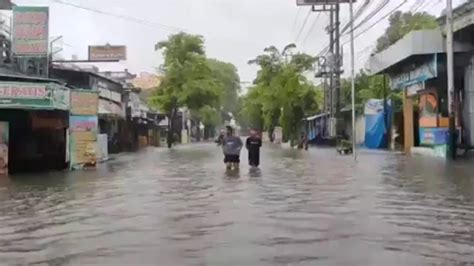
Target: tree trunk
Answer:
pixel 170 138
pixel 198 131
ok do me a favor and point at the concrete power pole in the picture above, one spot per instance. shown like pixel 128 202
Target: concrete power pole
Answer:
pixel 450 70
pixel 354 131
pixel 337 78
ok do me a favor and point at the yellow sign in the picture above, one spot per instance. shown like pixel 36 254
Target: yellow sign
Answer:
pixel 84 102
pixel 84 152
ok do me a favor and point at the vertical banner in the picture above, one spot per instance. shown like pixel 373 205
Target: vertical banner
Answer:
pixel 83 141
pixel 83 126
pixel 4 136
pixel 30 31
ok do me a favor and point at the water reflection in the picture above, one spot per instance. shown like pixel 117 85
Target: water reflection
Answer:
pixel 182 207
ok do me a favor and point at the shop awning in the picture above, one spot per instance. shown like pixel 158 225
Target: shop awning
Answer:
pixel 109 108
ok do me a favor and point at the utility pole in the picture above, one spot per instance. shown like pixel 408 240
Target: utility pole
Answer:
pixel 450 70
pixel 354 132
pixel 331 72
pixel 337 78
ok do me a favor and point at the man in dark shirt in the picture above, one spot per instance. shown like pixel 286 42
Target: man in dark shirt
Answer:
pixel 253 144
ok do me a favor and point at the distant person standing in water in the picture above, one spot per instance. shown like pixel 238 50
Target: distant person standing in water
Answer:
pixel 253 144
pixel 231 146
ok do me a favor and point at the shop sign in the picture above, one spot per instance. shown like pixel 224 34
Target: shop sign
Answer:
pixel 413 89
pixel 419 74
pixel 83 141
pixel 84 102
pixel 110 95
pixel 135 105
pixel 61 98
pixel 433 136
pixel 4 140
pixel 30 31
pixel 107 52
pixel 24 95
pixel 320 2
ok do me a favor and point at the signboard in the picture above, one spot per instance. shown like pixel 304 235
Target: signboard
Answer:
pixel 110 95
pixel 321 2
pixel 83 141
pixel 4 138
pixel 433 136
pixel 34 96
pixel 30 33
pixel 413 89
pixel 419 74
pixel 84 102
pixel 134 105
pixel 102 148
pixel 107 53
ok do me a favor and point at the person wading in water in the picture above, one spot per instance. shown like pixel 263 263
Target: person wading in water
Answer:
pixel 231 146
pixel 253 145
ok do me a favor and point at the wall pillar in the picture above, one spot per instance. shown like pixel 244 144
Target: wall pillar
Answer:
pixel 408 124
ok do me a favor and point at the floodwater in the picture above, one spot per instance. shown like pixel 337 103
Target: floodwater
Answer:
pixel 180 207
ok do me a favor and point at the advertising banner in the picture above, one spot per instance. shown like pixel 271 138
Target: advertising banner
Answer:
pixel 4 137
pixel 428 110
pixel 84 102
pixel 107 52
pixel 30 31
pixel 433 136
pixel 102 148
pixel 83 141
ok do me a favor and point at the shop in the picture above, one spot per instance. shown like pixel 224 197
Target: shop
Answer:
pixel 416 66
pixel 34 122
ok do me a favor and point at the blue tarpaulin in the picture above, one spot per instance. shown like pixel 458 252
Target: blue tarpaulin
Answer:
pixel 375 128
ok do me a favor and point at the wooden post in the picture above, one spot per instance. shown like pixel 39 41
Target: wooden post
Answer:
pixel 408 122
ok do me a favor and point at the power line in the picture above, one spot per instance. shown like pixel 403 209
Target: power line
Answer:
pixel 303 26
pixel 125 17
pixel 311 28
pixel 372 14
pixel 378 21
pixel 296 20
pixel 358 13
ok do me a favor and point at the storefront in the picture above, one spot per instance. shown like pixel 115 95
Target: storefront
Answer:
pixel 33 126
pixel 416 66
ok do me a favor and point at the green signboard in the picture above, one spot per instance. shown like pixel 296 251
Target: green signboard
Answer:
pixel 42 96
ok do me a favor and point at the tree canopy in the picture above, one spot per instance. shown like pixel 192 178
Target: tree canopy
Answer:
pixel 280 95
pixel 191 80
pixel 401 24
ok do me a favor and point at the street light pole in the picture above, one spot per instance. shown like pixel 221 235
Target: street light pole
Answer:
pixel 450 70
pixel 354 132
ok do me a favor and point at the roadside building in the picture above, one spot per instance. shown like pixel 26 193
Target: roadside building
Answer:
pixel 111 105
pixel 416 66
pixel 34 122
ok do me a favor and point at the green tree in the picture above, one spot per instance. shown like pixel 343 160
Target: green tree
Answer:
pixel 281 95
pixel 187 78
pixel 229 80
pixel 401 24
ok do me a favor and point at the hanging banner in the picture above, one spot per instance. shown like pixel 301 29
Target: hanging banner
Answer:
pixel 83 141
pixel 30 31
pixel 84 102
pixel 4 137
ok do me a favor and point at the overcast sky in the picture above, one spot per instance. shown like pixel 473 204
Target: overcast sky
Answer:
pixel 235 30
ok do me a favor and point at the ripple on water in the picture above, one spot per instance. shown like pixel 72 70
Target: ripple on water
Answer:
pixel 181 207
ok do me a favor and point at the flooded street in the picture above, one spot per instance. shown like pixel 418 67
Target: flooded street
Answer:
pixel 180 207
